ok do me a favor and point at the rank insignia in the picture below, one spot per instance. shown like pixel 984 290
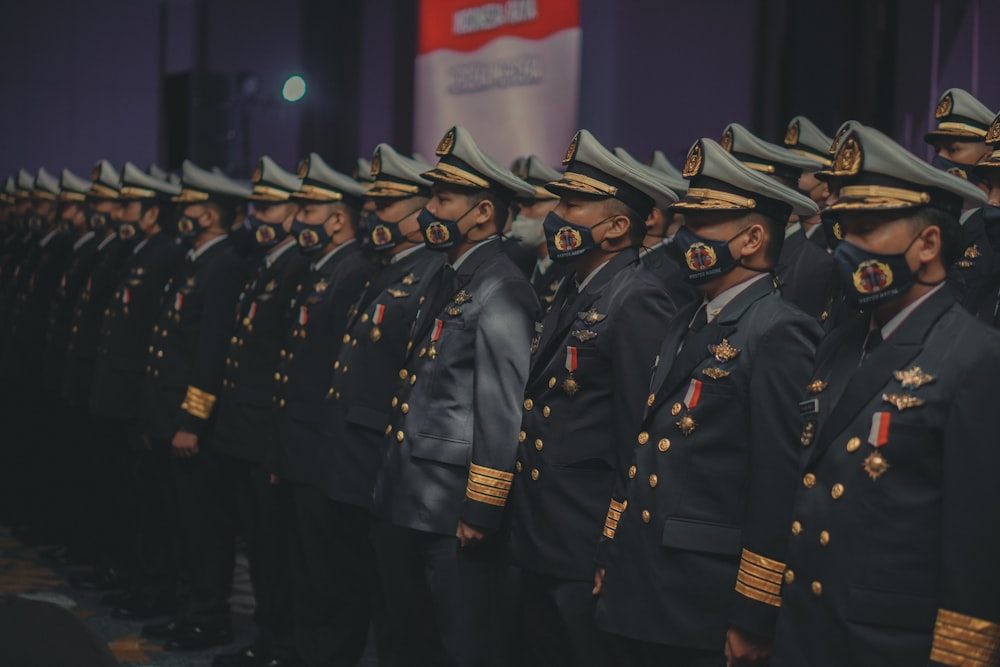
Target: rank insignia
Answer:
pixel 591 316
pixel 271 286
pixel 816 386
pixel 321 286
pixel 808 432
pixel 462 297
pixel 409 279
pixel 397 293
pixel 583 335
pixel 534 344
pixel 724 351
pixel 972 252
pixel 687 424
pixel 454 311
pixel 715 373
pixel 902 401
pixel 570 385
pixel 913 378
pixel 875 464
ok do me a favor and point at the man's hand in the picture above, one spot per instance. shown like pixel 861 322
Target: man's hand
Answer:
pixel 185 445
pixel 746 650
pixel 598 580
pixel 468 535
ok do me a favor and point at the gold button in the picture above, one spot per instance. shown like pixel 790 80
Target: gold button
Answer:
pixel 837 491
pixel 676 409
pixel 163 334
pixel 789 576
pixel 664 444
pixel 413 379
pixel 156 327
pixel 422 352
pixel 281 403
pixel 399 436
pixel 344 369
pixel 246 321
pixel 552 382
pixel 277 376
pixel 159 354
pixel 646 516
pixel 631 472
pixel 151 348
pixel 364 318
pixel 336 365
pixel 528 404
pixel 405 408
pixel 653 480
pixel 233 340
pixel 284 353
pixel 290 355
pixel 156 374
pixel 347 338
pixel 388 429
pixel 354 342
pixel 534 473
pixel 337 396
pixel 824 538
pixel 546 411
pixel 518 466
pixel 330 392
pixel 796 528
pixel 817 588
pixel 809 481
pixel 409 346
pixel 643 438
pixel 236 364
pixel 395 401
pixel 651 400
pixel 403 373
pixel 522 436
pixel 538 444
pixel 853 444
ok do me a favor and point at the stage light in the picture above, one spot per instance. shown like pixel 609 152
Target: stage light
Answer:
pixel 294 88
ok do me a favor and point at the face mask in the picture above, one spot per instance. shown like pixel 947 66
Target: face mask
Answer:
pixel 383 235
pixel 528 231
pixel 871 279
pixel 566 241
pixel 311 238
pixel 63 226
pixel 831 227
pixel 266 234
pixel 952 167
pixel 97 221
pixel 991 221
pixel 187 228
pixel 701 259
pixel 130 231
pixel 35 223
pixel 440 234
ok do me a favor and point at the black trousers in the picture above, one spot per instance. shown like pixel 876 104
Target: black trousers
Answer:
pixel 444 603
pixel 637 653
pixel 557 622
pixel 147 512
pixel 264 514
pixel 204 537
pixel 332 578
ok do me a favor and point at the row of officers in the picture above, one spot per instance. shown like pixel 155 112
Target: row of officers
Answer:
pixel 737 413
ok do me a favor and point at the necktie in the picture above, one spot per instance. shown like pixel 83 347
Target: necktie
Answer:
pixel 872 341
pixel 700 319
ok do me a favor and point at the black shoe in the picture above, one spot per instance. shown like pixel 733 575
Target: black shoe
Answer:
pixel 250 656
pixel 164 630
pixel 198 637
pixel 141 608
pixel 99 580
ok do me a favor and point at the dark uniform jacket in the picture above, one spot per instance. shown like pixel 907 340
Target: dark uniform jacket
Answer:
pixel 245 424
pixel 893 555
pixel 696 542
pixel 806 272
pixel 358 406
pixel 976 275
pixel 16 248
pixel 88 315
pixel 547 283
pixel 320 315
pixel 453 437
pixel 60 319
pixel 129 317
pixel 190 341
pixel 659 262
pixel 585 397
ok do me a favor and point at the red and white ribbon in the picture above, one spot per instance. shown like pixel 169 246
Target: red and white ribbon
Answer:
pixel 303 316
pixel 879 433
pixel 380 313
pixel 438 326
pixel 693 394
pixel 571 360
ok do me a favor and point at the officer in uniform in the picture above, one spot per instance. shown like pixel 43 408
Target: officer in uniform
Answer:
pixel 804 138
pixel 892 557
pixel 585 395
pixel 327 229
pixel 184 375
pixel 356 409
pixel 245 430
pixel 704 506
pixel 128 318
pixel 453 430
pixel 544 274
pixel 805 270
pixel 982 297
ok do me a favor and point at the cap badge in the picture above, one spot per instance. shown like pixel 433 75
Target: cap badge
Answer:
pixel 993 134
pixel 848 159
pixel 447 143
pixel 302 172
pixel 913 378
pixel 376 164
pixel 571 151
pixel 257 174
pixel 944 107
pixel 872 276
pixel 727 140
pixel 692 166
pixel 700 256
pixel 792 134
pixel 567 239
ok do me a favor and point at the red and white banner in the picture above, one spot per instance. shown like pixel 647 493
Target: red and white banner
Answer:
pixel 508 71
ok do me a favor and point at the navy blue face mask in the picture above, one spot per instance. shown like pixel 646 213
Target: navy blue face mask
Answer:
pixel 702 260
pixel 266 234
pixel 963 171
pixel 384 235
pixel 311 238
pixel 130 231
pixel 567 241
pixel 871 279
pixel 831 227
pixel 187 228
pixel 97 221
pixel 438 233
pixel 991 221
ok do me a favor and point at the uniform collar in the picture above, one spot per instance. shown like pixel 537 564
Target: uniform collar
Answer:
pixel 83 239
pixel 318 264
pixel 194 253
pixel 465 255
pixel 890 327
pixel 45 239
pixel 400 256
pixel 274 254
pixel 716 305
pixel 106 240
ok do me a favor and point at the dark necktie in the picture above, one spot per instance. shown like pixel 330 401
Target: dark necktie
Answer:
pixel 872 341
pixel 700 319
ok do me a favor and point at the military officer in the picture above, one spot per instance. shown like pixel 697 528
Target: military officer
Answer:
pixel 892 558
pixel 184 375
pixel 357 406
pixel 453 430
pixel 585 394
pixel 804 138
pixel 805 271
pixel 982 259
pixel 544 274
pixel 325 632
pixel 245 430
pixel 705 503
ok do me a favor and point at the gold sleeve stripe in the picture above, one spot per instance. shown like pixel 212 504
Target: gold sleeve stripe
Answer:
pixel 759 596
pixel 760 573
pixel 488 481
pixel 614 516
pixel 487 490
pixel 609 530
pixel 491 472
pixel 619 506
pixel 965 640
pixel 758 583
pixel 483 498
pixel 761 561
pixel 198 403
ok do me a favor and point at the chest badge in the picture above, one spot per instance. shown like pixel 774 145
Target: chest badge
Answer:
pixel 715 373
pixel 913 378
pixel 409 279
pixel 570 385
pixel 271 286
pixel 724 351
pixel 321 286
pixel 453 310
pixel 583 335
pixel 816 387
pixel 462 297
pixel 902 401
pixel 875 464
pixel 397 293
pixel 592 317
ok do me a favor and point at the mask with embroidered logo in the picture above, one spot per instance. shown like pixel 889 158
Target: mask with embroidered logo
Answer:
pixel 963 171
pixel 702 260
pixel 383 235
pixel 567 241
pixel 130 231
pixel 97 221
pixel 311 238
pixel 266 234
pixel 870 279
pixel 187 228
pixel 441 234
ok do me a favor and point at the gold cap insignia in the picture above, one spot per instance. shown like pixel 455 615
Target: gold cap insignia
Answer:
pixel 447 143
pixel 876 465
pixel 836 140
pixel 993 134
pixel 902 401
pixel 715 373
pixel 571 151
pixel 257 173
pixel 872 276
pixel 913 378
pixel 727 140
pixel 792 134
pixel 376 163
pixel 724 351
pixel 303 170
pixel 583 335
pixel 816 386
pixel 849 158
pixel 693 163
pixel 944 107
pixel 837 232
